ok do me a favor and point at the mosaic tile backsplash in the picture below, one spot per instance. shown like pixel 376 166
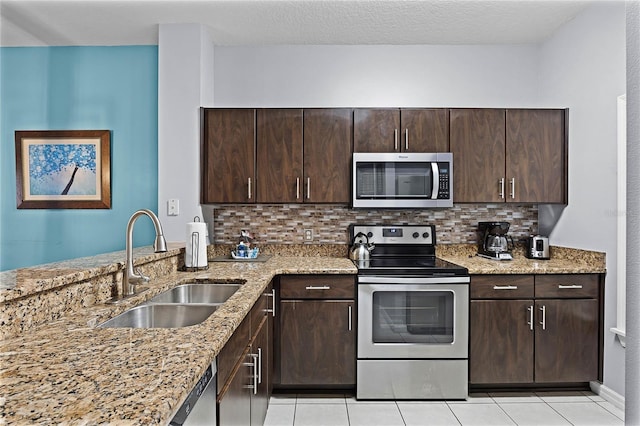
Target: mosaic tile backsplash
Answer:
pixel 285 223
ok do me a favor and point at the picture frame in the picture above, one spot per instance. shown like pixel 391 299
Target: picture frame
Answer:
pixel 63 169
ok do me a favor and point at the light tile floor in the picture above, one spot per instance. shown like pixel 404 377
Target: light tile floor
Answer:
pixel 539 408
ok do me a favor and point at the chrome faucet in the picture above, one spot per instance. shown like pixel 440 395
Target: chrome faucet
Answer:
pixel 131 277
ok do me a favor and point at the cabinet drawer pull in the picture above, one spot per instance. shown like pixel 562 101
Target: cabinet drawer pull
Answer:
pixel 249 188
pixel 501 183
pixel 395 139
pixel 544 317
pixel 349 312
pixel 574 286
pixel 259 365
pixel 505 287
pixel 530 322
pixel 318 287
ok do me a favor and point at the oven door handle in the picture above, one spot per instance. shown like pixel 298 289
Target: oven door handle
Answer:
pixel 365 279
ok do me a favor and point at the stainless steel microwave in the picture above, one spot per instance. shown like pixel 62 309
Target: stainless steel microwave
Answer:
pixel 402 180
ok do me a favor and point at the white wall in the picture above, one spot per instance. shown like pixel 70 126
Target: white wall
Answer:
pixel 583 67
pixel 185 82
pixel 322 76
pixel 632 412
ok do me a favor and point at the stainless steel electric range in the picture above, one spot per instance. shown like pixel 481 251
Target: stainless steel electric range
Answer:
pixel 413 317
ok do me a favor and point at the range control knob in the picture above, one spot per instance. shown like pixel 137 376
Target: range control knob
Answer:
pixel 416 235
pixel 369 234
pixel 425 235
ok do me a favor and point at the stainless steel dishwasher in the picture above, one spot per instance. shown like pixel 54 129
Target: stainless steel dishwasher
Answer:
pixel 200 406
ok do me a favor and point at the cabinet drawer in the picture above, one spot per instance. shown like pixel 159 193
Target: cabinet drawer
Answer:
pixel 501 287
pixel 232 351
pixel 317 287
pixel 567 286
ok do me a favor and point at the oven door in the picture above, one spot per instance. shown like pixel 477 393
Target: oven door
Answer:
pixel 413 317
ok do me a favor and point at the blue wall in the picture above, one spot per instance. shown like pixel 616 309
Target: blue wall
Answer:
pixel 79 88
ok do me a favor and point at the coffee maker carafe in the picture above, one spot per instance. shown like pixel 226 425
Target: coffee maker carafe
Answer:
pixel 493 241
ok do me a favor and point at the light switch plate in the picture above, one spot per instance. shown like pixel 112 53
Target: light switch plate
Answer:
pixel 173 207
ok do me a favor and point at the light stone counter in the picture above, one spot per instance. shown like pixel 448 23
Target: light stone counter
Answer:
pixel 562 261
pixel 69 372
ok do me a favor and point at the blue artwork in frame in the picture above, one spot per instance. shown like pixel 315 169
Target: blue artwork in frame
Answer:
pixel 63 169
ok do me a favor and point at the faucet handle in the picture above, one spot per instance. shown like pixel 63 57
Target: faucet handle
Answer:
pixel 140 276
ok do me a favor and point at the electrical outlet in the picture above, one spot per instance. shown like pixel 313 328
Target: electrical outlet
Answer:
pixel 173 207
pixel 308 234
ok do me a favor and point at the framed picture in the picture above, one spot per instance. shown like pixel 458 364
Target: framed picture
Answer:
pixel 63 169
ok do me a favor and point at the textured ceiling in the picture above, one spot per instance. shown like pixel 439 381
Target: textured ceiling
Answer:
pixel 265 22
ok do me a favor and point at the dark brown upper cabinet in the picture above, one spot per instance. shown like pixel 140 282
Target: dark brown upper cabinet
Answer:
pixel 279 159
pixel 536 156
pixel 328 144
pixel 401 130
pixel 228 155
pixel 513 155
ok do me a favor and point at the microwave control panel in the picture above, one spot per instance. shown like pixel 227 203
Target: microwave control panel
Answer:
pixel 445 180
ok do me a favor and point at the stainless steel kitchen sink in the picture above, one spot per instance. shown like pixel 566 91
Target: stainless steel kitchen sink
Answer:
pixel 161 316
pixel 197 294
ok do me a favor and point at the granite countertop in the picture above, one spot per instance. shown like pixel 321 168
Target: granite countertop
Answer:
pixel 69 372
pixel 562 261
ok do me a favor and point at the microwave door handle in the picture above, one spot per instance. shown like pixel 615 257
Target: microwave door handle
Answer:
pixel 436 180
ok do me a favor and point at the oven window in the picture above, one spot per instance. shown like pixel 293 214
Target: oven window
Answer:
pixel 413 317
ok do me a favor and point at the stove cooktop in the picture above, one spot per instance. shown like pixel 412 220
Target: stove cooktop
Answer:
pixel 409 266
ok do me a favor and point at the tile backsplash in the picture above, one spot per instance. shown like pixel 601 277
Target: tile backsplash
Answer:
pixel 285 223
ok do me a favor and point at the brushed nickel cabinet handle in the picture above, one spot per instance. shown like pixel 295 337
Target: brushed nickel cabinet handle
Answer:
pixel 308 188
pixel 297 188
pixel 249 188
pixel 501 183
pixel 544 317
pixel 272 295
pixel 513 188
pixel 259 365
pixel 349 313
pixel 318 287
pixel 572 286
pixel 505 287
pixel 406 139
pixel 395 139
pixel 530 322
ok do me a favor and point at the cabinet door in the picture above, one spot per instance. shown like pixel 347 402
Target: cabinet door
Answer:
pixel 234 401
pixel 536 156
pixel 317 342
pixel 424 130
pixel 567 343
pixel 328 143
pixel 501 341
pixel 260 397
pixel 228 152
pixel 279 158
pixel 376 130
pixel 477 141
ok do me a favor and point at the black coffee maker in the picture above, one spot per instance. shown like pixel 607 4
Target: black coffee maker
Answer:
pixel 493 241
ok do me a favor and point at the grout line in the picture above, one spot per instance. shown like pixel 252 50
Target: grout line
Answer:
pixel 557 412
pixel 605 407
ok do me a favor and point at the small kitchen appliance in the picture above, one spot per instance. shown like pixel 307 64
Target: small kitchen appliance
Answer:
pixel 413 317
pixel 493 241
pixel 537 247
pixel 360 248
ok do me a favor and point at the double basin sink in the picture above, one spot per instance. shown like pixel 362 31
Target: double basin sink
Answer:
pixel 182 306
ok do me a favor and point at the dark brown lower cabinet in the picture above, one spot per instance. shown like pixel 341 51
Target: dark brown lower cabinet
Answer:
pixel 553 338
pixel 501 342
pixel 317 343
pixel 567 342
pixel 244 389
